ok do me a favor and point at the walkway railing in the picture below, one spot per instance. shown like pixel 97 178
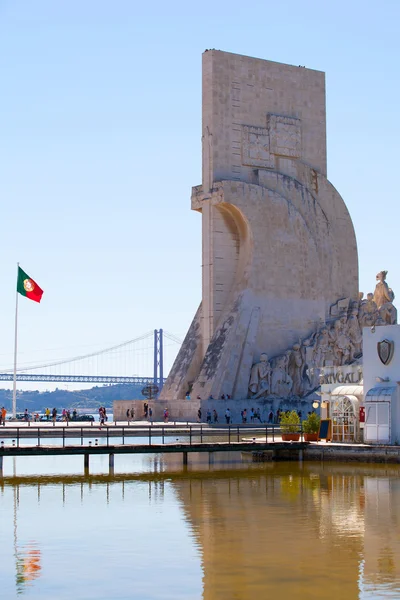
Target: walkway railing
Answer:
pixel 147 434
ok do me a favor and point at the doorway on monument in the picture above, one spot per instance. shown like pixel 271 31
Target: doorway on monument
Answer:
pixel 344 422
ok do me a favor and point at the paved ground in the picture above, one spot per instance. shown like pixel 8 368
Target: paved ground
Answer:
pixel 23 424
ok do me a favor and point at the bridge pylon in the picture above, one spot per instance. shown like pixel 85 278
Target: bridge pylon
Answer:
pixel 158 377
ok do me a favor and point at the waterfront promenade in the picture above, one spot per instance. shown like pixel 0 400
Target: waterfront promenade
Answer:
pixel 261 442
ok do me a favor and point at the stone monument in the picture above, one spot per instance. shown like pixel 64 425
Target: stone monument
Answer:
pixel 279 265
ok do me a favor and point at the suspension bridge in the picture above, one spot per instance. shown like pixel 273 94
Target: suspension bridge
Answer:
pixel 147 354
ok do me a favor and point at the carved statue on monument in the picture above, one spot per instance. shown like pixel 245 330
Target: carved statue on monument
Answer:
pixel 355 334
pixel 260 378
pixel 295 369
pixel 342 342
pixel 368 312
pixel 381 294
pixel 281 382
pixel 383 297
pixel 323 352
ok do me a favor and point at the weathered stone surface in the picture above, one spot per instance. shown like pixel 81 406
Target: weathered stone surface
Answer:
pixel 279 248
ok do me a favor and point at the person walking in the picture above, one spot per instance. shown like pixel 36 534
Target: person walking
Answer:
pixel 47 414
pixel 166 415
pixel 228 416
pixel 215 416
pixel 199 415
pixel 54 414
pixel 132 414
pixel 150 414
pixel 3 416
pixel 271 417
pixel 209 416
pixel 127 414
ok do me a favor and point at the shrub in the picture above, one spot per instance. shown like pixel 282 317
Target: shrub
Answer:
pixel 311 424
pixel 290 422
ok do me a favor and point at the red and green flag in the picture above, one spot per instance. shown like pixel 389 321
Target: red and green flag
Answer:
pixel 26 286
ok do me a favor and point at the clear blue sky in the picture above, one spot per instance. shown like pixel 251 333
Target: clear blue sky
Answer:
pixel 100 125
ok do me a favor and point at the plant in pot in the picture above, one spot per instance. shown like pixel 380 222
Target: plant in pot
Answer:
pixel 311 427
pixel 290 426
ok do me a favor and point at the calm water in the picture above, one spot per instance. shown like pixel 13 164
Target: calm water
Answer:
pixel 228 531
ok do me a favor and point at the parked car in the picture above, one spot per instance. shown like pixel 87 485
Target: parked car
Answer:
pixel 18 417
pixel 83 418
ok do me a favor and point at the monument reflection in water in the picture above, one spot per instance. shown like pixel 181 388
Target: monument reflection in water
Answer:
pixel 222 531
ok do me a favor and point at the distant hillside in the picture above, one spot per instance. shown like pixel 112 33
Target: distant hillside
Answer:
pixel 92 398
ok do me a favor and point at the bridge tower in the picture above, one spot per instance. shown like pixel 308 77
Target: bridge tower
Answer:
pixel 158 377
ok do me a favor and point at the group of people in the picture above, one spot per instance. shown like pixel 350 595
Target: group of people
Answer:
pixel 223 397
pixel 254 415
pixel 147 412
pixel 209 417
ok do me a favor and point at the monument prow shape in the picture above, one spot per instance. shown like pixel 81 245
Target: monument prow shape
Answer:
pixel 279 247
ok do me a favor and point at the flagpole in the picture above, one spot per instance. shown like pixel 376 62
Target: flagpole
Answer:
pixel 14 398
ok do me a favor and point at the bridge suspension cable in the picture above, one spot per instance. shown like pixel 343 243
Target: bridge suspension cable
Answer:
pixel 172 337
pixel 83 356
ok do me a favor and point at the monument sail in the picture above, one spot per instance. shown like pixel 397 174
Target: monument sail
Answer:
pixel 279 253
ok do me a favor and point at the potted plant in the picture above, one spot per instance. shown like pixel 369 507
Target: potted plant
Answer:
pixel 311 427
pixel 290 426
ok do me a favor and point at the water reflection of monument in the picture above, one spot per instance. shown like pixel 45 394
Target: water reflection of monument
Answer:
pixel 295 533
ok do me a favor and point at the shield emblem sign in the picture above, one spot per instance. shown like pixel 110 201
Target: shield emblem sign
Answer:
pixel 385 351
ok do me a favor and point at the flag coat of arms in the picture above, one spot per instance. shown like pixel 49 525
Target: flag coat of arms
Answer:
pixel 26 286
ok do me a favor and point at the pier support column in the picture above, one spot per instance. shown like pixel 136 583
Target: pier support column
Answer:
pixel 111 464
pixel 86 462
pixel 185 458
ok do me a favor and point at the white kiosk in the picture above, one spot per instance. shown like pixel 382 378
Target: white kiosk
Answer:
pixel 381 367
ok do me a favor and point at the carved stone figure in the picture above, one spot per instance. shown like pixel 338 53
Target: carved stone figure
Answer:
pixel 295 369
pixel 368 313
pixel 322 349
pixel 281 382
pixel 260 378
pixel 379 308
pixel 382 294
pixel 342 342
pixel 354 333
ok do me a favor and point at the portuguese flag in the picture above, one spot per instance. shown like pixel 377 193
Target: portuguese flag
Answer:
pixel 27 287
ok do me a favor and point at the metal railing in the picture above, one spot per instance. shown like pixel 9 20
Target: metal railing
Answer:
pixel 149 434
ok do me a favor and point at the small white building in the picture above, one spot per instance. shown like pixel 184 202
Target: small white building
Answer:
pixel 381 366
pixel 341 401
